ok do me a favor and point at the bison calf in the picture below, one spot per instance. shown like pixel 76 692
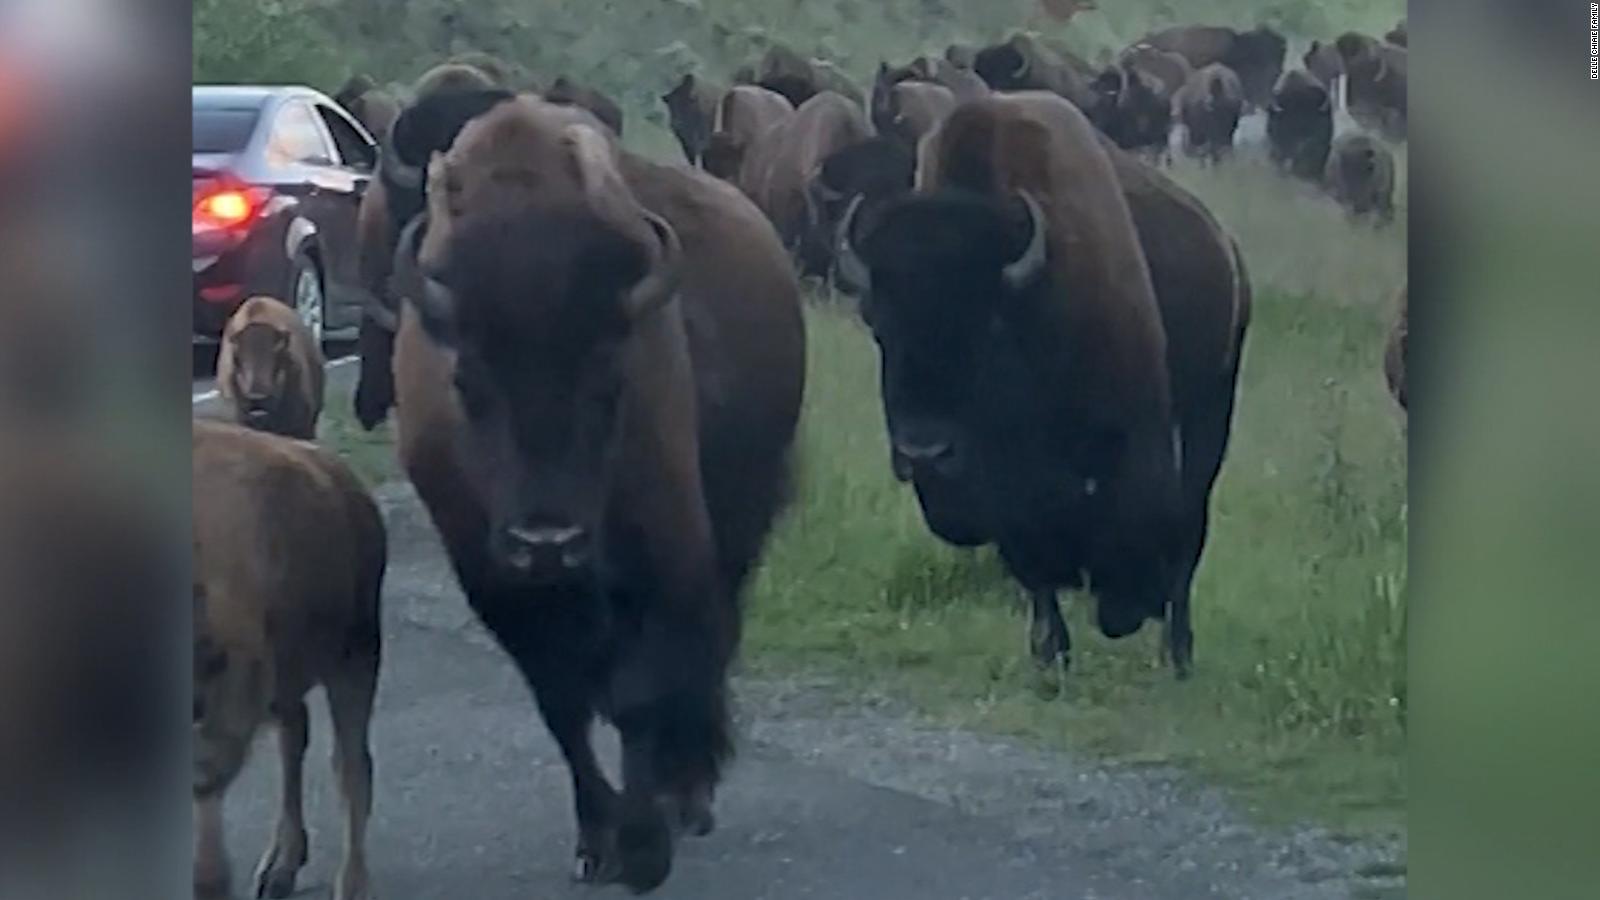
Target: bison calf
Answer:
pixel 1360 177
pixel 289 555
pixel 270 369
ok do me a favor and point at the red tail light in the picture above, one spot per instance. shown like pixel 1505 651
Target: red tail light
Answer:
pixel 227 206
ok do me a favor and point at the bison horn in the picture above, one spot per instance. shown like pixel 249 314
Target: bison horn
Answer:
pixel 852 271
pixel 1021 271
pixel 1022 67
pixel 661 282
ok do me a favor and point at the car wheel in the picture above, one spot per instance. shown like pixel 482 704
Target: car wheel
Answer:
pixel 309 301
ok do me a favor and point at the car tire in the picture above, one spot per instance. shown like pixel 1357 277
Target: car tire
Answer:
pixel 307 297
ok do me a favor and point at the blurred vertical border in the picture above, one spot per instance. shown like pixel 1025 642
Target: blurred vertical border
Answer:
pixel 1505 452
pixel 94 659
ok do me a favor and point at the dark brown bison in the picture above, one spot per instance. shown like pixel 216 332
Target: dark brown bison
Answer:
pixel 1300 125
pixel 599 383
pixel 1397 34
pixel 1323 61
pixel 799 79
pixel 1024 63
pixel 962 56
pixel 856 181
pixel 1360 177
pixel 270 370
pixel 1394 352
pixel 745 113
pixel 934 70
pixel 908 109
pixel 373 107
pixel 445 99
pixel 1256 55
pixel 1210 106
pixel 692 108
pixel 1171 69
pixel 1375 88
pixel 1134 109
pixel 289 556
pixel 566 92
pixel 778 171
pixel 1034 395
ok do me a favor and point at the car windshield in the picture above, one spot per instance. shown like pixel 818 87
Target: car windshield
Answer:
pixel 223 130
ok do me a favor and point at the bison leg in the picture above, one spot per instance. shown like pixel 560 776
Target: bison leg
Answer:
pixel 350 699
pixel 375 390
pixel 280 865
pixel 210 856
pixel 563 699
pixel 644 838
pixel 1047 631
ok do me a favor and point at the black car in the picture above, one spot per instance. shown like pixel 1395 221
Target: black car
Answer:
pixel 279 173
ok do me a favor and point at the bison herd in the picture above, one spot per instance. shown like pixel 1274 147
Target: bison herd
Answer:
pixel 596 362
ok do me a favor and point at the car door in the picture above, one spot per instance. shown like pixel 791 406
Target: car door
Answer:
pixel 346 178
pixel 302 160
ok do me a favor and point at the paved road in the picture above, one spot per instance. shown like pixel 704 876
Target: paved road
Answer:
pixel 829 798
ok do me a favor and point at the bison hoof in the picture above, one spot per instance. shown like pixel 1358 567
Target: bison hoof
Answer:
pixel 695 817
pixel 591 867
pixel 277 872
pixel 644 849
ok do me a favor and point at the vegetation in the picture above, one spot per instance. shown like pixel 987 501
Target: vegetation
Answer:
pixel 1299 694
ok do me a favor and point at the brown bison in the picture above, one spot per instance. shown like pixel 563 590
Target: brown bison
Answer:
pixel 933 70
pixel 906 109
pixel 289 555
pixel 1375 87
pixel 446 96
pixel 1134 109
pixel 1323 61
pixel 1023 62
pixel 599 381
pixel 1397 34
pixel 373 107
pixel 798 79
pixel 1300 125
pixel 1360 176
pixel 1210 106
pixel 566 92
pixel 962 56
pixel 1394 352
pixel 270 370
pixel 692 109
pixel 1171 69
pixel 778 172
pixel 1034 395
pixel 1256 55
pixel 745 113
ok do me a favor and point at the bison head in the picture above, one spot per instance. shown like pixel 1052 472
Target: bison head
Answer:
pixel 938 275
pixel 260 371
pixel 540 293
pixel 876 170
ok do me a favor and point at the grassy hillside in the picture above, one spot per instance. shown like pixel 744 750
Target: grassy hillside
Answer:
pixel 1299 694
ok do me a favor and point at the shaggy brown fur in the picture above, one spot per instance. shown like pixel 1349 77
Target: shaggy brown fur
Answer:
pixel 692 107
pixel 1210 106
pixel 1360 177
pixel 599 423
pixel 270 371
pixel 799 79
pixel 778 170
pixel 906 110
pixel 1376 90
pixel 745 113
pixel 289 555
pixel 1023 62
pixel 566 92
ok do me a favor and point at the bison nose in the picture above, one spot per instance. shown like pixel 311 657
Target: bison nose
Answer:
pixel 532 545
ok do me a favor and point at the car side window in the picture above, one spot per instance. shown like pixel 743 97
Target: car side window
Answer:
pixel 355 151
pixel 297 138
